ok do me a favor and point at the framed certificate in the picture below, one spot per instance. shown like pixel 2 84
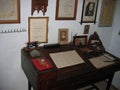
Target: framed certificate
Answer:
pixel 9 11
pixel 66 9
pixel 38 29
pixel 107 13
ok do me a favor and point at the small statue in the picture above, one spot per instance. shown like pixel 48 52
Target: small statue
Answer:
pixel 95 43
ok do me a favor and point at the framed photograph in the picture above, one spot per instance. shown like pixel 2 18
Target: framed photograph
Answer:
pixel 9 11
pixel 38 29
pixel 107 13
pixel 63 36
pixel 66 9
pixel 86 29
pixel 89 11
pixel 80 40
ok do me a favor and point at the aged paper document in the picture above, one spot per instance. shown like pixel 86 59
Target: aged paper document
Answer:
pixel 101 61
pixel 8 9
pixel 107 13
pixel 67 58
pixel 38 29
pixel 66 8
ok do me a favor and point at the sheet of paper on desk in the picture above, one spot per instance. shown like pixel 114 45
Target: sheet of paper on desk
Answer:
pixel 101 61
pixel 67 58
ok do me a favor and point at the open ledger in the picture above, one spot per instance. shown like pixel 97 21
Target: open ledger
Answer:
pixel 67 58
pixel 102 61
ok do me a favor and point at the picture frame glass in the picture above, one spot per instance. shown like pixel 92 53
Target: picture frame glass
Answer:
pixel 63 36
pixel 9 11
pixel 89 11
pixel 80 41
pixel 66 9
pixel 38 29
pixel 107 13
pixel 86 29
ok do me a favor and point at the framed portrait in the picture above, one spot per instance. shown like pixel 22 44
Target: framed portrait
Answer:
pixel 66 9
pixel 89 11
pixel 38 29
pixel 63 36
pixel 80 40
pixel 86 29
pixel 107 13
pixel 9 11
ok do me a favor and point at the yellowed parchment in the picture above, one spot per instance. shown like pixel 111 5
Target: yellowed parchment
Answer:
pixel 38 30
pixel 67 58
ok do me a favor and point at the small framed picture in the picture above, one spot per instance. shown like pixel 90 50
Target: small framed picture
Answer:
pixel 86 29
pixel 89 11
pixel 80 40
pixel 63 36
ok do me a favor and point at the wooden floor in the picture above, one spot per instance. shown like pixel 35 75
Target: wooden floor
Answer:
pixel 100 86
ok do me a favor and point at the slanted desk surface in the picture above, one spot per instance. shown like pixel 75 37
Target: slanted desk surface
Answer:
pixel 66 78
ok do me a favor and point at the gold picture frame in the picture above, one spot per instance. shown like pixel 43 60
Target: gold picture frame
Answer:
pixel 9 11
pixel 66 9
pixel 89 11
pixel 38 29
pixel 80 41
pixel 63 36
pixel 107 13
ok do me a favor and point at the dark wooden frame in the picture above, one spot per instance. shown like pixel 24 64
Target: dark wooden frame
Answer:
pixel 15 19
pixel 66 17
pixel 89 18
pixel 77 40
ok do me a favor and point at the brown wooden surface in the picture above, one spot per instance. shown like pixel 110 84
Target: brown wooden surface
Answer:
pixel 39 5
pixel 67 78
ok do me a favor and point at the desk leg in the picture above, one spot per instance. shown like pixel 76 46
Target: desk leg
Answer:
pixel 29 86
pixel 109 82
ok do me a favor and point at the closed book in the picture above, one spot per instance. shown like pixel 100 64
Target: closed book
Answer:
pixel 41 63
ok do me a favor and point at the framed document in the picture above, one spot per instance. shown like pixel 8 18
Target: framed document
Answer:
pixel 89 11
pixel 38 29
pixel 80 40
pixel 66 9
pixel 9 11
pixel 107 13
pixel 63 36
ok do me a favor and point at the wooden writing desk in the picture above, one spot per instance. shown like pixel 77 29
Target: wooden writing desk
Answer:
pixel 67 78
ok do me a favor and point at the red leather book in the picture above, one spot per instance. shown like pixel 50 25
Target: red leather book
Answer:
pixel 41 63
